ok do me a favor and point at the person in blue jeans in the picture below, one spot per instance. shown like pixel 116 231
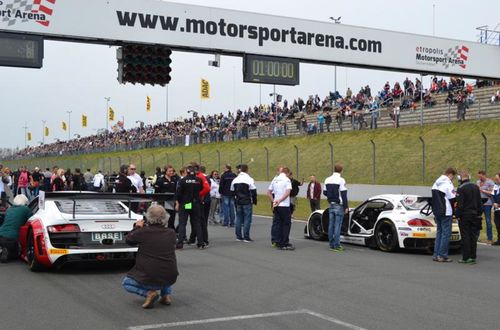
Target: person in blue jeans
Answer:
pixel 336 193
pixel 227 195
pixel 156 264
pixel 245 194
pixel 443 196
pixel 486 186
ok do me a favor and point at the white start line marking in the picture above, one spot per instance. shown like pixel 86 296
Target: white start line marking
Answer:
pixel 248 317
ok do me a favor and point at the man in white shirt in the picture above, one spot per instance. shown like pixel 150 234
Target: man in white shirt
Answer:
pixel 443 195
pixel 279 194
pixel 336 194
pixel 98 181
pixel 135 178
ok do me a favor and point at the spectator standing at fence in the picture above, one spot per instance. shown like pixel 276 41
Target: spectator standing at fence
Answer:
pixel 321 122
pixel 328 121
pixel 486 187
pixel 135 178
pixel 335 191
pixel 89 179
pixel 279 194
pixel 155 267
pixel 245 194
pixel 468 211
pixel 374 113
pixel 461 106
pixel 443 198
pixel 395 114
pixel 314 193
pixel 166 183
pixel 227 195
pixel 496 207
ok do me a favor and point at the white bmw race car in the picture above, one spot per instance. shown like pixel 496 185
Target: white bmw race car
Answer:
pixel 72 227
pixel 387 222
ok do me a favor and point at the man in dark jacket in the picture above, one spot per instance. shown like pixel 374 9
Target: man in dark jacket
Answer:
pixel 246 195
pixel 123 183
pixel 188 204
pixel 156 265
pixel 468 211
pixel 314 193
pixel 227 196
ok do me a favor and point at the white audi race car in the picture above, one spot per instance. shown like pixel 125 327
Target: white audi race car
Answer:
pixel 74 227
pixel 387 222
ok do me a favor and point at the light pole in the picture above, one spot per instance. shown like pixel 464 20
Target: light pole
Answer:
pixel 43 131
pixel 69 124
pixel 107 120
pixel 336 21
pixel 25 134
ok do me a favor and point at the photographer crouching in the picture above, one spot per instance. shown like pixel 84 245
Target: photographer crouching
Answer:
pixel 156 265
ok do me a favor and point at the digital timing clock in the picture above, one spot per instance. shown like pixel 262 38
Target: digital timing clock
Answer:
pixel 271 70
pixel 21 50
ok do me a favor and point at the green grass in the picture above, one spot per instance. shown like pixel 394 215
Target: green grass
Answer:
pixel 398 154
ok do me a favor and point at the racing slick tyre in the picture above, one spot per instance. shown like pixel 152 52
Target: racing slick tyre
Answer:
pixel 386 236
pixel 31 255
pixel 316 228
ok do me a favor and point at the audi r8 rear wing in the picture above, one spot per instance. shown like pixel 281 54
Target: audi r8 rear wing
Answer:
pixel 127 198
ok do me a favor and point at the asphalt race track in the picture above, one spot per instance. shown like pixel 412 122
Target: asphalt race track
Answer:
pixel 236 285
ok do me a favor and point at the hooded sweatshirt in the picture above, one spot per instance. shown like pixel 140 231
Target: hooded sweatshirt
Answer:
pixel 443 194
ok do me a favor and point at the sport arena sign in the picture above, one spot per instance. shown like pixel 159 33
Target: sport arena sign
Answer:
pixel 214 30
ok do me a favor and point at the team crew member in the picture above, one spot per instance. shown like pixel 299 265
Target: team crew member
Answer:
pixel 205 201
pixel 123 183
pixel 135 179
pixel 98 182
pixel 227 195
pixel 336 194
pixel 167 184
pixel 314 193
pixel 443 197
pixel 469 210
pixel 245 194
pixel 188 204
pixel 15 217
pixel 279 194
pixel 155 265
pixel 496 206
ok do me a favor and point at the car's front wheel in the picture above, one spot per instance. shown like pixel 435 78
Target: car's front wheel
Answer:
pixel 31 255
pixel 315 227
pixel 386 236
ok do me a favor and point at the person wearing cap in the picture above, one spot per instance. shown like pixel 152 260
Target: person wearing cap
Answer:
pixel 245 194
pixel 15 217
pixel 155 269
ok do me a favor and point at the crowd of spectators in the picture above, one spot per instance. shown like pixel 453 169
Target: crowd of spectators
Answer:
pixel 273 119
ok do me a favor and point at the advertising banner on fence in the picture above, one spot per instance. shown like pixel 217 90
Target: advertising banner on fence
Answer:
pixel 201 28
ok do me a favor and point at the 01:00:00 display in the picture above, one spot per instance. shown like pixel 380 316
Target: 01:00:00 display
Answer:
pixel 273 69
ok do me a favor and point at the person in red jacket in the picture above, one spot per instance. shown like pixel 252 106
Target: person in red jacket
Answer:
pixel 314 193
pixel 204 192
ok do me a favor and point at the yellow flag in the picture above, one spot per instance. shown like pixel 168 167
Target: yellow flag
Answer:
pixel 148 104
pixel 84 121
pixel 64 126
pixel 111 114
pixel 46 131
pixel 204 89
pixel 29 136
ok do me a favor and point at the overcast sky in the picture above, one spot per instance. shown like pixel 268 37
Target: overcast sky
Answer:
pixel 77 77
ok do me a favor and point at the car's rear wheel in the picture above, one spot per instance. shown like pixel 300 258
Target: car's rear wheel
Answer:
pixel 315 227
pixel 31 255
pixel 386 236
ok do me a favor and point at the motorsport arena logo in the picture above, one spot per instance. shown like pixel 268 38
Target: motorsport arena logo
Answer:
pixel 22 11
pixel 458 55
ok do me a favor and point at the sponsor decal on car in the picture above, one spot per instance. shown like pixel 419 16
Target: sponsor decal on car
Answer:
pixel 419 235
pixel 424 229
pixel 58 251
pixel 404 228
pixel 403 234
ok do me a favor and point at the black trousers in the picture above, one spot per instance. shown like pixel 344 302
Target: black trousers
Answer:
pixel 497 223
pixel 205 211
pixel 469 229
pixel 283 225
pixel 315 204
pixel 11 245
pixel 171 219
pixel 194 216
